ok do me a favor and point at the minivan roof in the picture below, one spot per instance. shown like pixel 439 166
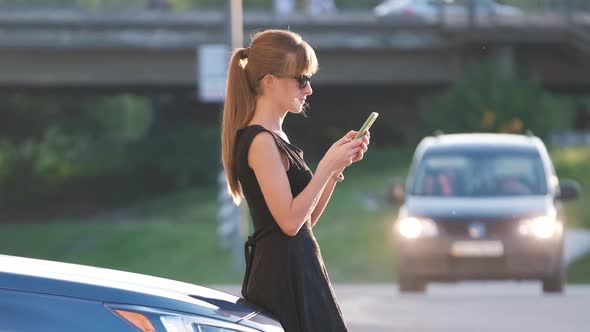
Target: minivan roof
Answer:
pixel 481 140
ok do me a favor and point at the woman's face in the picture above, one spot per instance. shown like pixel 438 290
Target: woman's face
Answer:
pixel 291 93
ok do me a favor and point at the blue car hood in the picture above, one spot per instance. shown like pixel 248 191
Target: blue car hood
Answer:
pixel 113 286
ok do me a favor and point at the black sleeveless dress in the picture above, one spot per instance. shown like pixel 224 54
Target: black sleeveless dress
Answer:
pixel 284 275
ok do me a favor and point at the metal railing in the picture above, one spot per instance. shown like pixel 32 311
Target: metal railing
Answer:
pixel 442 12
pixel 570 15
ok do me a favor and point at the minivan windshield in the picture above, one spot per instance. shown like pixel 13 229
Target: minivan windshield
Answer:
pixel 479 174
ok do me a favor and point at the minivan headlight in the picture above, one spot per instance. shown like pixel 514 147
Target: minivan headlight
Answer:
pixel 541 227
pixel 147 319
pixel 413 228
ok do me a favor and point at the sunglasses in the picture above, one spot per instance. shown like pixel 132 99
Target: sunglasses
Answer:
pixel 302 80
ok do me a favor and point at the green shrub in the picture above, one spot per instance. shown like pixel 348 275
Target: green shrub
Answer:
pixel 489 99
pixel 184 155
pixel 107 174
pixel 87 152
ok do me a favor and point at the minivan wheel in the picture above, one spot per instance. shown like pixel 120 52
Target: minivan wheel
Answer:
pixel 408 284
pixel 554 283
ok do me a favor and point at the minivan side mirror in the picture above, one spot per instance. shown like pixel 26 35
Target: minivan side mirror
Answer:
pixel 568 190
pixel 396 191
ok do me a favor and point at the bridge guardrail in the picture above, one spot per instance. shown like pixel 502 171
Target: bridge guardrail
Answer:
pixel 487 11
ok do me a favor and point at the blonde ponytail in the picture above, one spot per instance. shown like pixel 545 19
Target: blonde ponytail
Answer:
pixel 237 112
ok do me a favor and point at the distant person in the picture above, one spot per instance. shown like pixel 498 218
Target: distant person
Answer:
pixel 444 181
pixel 285 273
pixel 319 7
pixel 512 185
pixel 439 184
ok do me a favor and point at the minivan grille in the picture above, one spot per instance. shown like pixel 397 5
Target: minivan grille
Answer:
pixel 493 228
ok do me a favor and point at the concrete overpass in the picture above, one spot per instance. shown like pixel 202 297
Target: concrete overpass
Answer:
pixel 156 50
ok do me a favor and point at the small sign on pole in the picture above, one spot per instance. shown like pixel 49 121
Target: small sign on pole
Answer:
pixel 212 62
pixel 231 226
pixel 227 228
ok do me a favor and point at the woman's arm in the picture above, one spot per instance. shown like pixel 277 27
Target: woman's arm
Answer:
pixel 291 212
pixel 329 189
pixel 324 199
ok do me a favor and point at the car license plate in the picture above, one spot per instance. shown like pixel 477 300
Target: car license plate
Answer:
pixel 477 249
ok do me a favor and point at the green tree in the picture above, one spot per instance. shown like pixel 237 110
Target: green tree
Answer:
pixel 48 140
pixel 489 99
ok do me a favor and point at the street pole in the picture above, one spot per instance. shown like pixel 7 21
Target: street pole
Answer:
pixel 235 39
pixel 471 13
pixel 235 24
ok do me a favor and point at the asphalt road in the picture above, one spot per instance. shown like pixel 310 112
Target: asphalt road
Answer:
pixel 462 307
pixel 478 307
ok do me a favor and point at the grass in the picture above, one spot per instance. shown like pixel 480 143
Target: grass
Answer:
pixel 186 252
pixel 574 163
pixel 579 271
pixel 175 236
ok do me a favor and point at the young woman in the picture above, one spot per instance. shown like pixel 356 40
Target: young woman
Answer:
pixel 285 273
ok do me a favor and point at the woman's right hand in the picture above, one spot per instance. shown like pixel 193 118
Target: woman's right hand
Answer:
pixel 342 153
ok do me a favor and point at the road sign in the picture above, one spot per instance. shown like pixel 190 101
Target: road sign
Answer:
pixel 212 62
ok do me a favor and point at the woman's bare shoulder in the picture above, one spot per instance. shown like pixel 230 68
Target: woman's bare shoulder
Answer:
pixel 263 147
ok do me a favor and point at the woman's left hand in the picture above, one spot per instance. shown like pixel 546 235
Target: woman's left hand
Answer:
pixel 365 146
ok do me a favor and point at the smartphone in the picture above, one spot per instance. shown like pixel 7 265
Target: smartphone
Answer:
pixel 366 125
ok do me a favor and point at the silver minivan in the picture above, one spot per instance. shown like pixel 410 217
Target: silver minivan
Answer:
pixel 482 207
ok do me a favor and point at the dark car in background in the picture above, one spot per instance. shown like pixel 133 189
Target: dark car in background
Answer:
pixel 41 295
pixel 482 207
